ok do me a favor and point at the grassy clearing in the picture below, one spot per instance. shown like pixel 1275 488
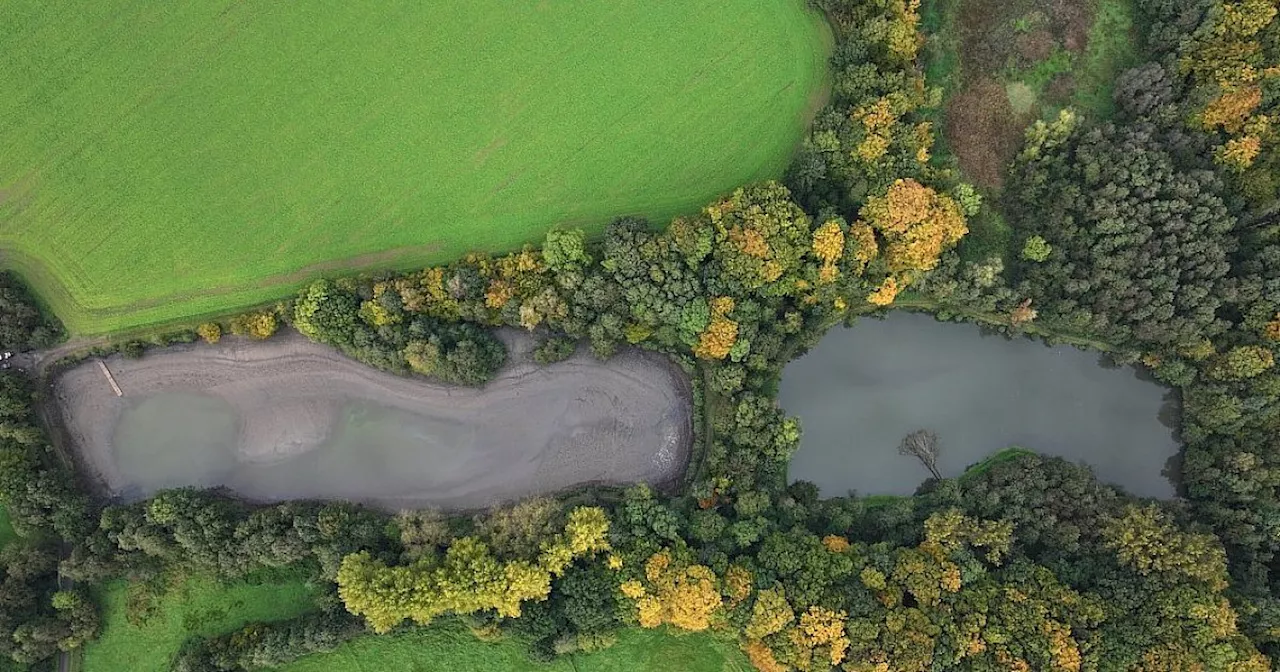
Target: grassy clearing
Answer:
pixel 942 43
pixel 1006 63
pixel 989 236
pixel 198 606
pixel 160 161
pixel 979 468
pixel 1112 48
pixel 204 607
pixel 451 649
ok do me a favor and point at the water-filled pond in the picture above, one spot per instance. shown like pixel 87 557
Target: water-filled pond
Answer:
pixel 864 388
pixel 289 419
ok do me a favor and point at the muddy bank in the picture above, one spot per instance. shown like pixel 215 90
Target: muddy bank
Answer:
pixel 290 419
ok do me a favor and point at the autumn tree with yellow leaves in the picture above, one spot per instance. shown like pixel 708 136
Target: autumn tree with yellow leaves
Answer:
pixel 718 339
pixel 674 591
pixel 769 614
pixel 917 224
pixel 258 325
pixel 468 578
pixel 760 239
pixel 1145 539
pixel 1231 59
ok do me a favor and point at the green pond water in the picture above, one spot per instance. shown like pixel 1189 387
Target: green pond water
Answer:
pixel 862 389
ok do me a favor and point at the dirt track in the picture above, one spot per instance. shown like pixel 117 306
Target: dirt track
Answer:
pixel 532 430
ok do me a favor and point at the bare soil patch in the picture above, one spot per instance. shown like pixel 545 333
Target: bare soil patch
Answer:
pixel 290 419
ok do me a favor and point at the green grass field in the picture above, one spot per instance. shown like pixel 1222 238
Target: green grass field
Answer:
pixel 161 161
pixel 203 607
pixel 196 607
pixel 453 649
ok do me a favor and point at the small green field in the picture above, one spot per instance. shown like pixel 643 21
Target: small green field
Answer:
pixel 197 606
pixel 161 161
pixel 453 649
pixel 204 607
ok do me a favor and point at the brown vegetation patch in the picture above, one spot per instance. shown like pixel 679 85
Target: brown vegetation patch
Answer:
pixel 982 47
pixel 983 127
pixel 995 33
pixel 1070 20
pixel 1034 46
pixel 1061 89
pixel 984 131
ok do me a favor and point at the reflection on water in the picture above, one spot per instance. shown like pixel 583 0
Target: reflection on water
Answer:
pixel 862 389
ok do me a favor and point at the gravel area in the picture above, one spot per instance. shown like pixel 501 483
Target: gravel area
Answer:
pixel 290 419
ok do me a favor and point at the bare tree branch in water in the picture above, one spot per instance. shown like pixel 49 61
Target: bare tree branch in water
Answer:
pixel 923 445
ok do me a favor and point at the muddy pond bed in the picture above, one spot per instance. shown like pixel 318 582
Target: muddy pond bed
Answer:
pixel 290 419
pixel 864 388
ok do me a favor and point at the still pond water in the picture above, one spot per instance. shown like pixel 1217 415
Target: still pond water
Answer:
pixel 862 389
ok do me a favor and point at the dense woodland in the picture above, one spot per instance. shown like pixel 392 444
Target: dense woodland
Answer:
pixel 47 506
pixel 1155 232
pixel 23 326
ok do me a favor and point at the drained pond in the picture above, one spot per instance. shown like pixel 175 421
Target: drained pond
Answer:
pixel 861 390
pixel 289 419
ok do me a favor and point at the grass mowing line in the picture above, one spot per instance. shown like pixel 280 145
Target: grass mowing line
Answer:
pixel 152 152
pixel 199 606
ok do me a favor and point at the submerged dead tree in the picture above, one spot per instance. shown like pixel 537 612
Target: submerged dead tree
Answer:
pixel 923 445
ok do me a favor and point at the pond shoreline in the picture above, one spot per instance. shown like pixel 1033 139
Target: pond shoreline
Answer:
pixel 861 389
